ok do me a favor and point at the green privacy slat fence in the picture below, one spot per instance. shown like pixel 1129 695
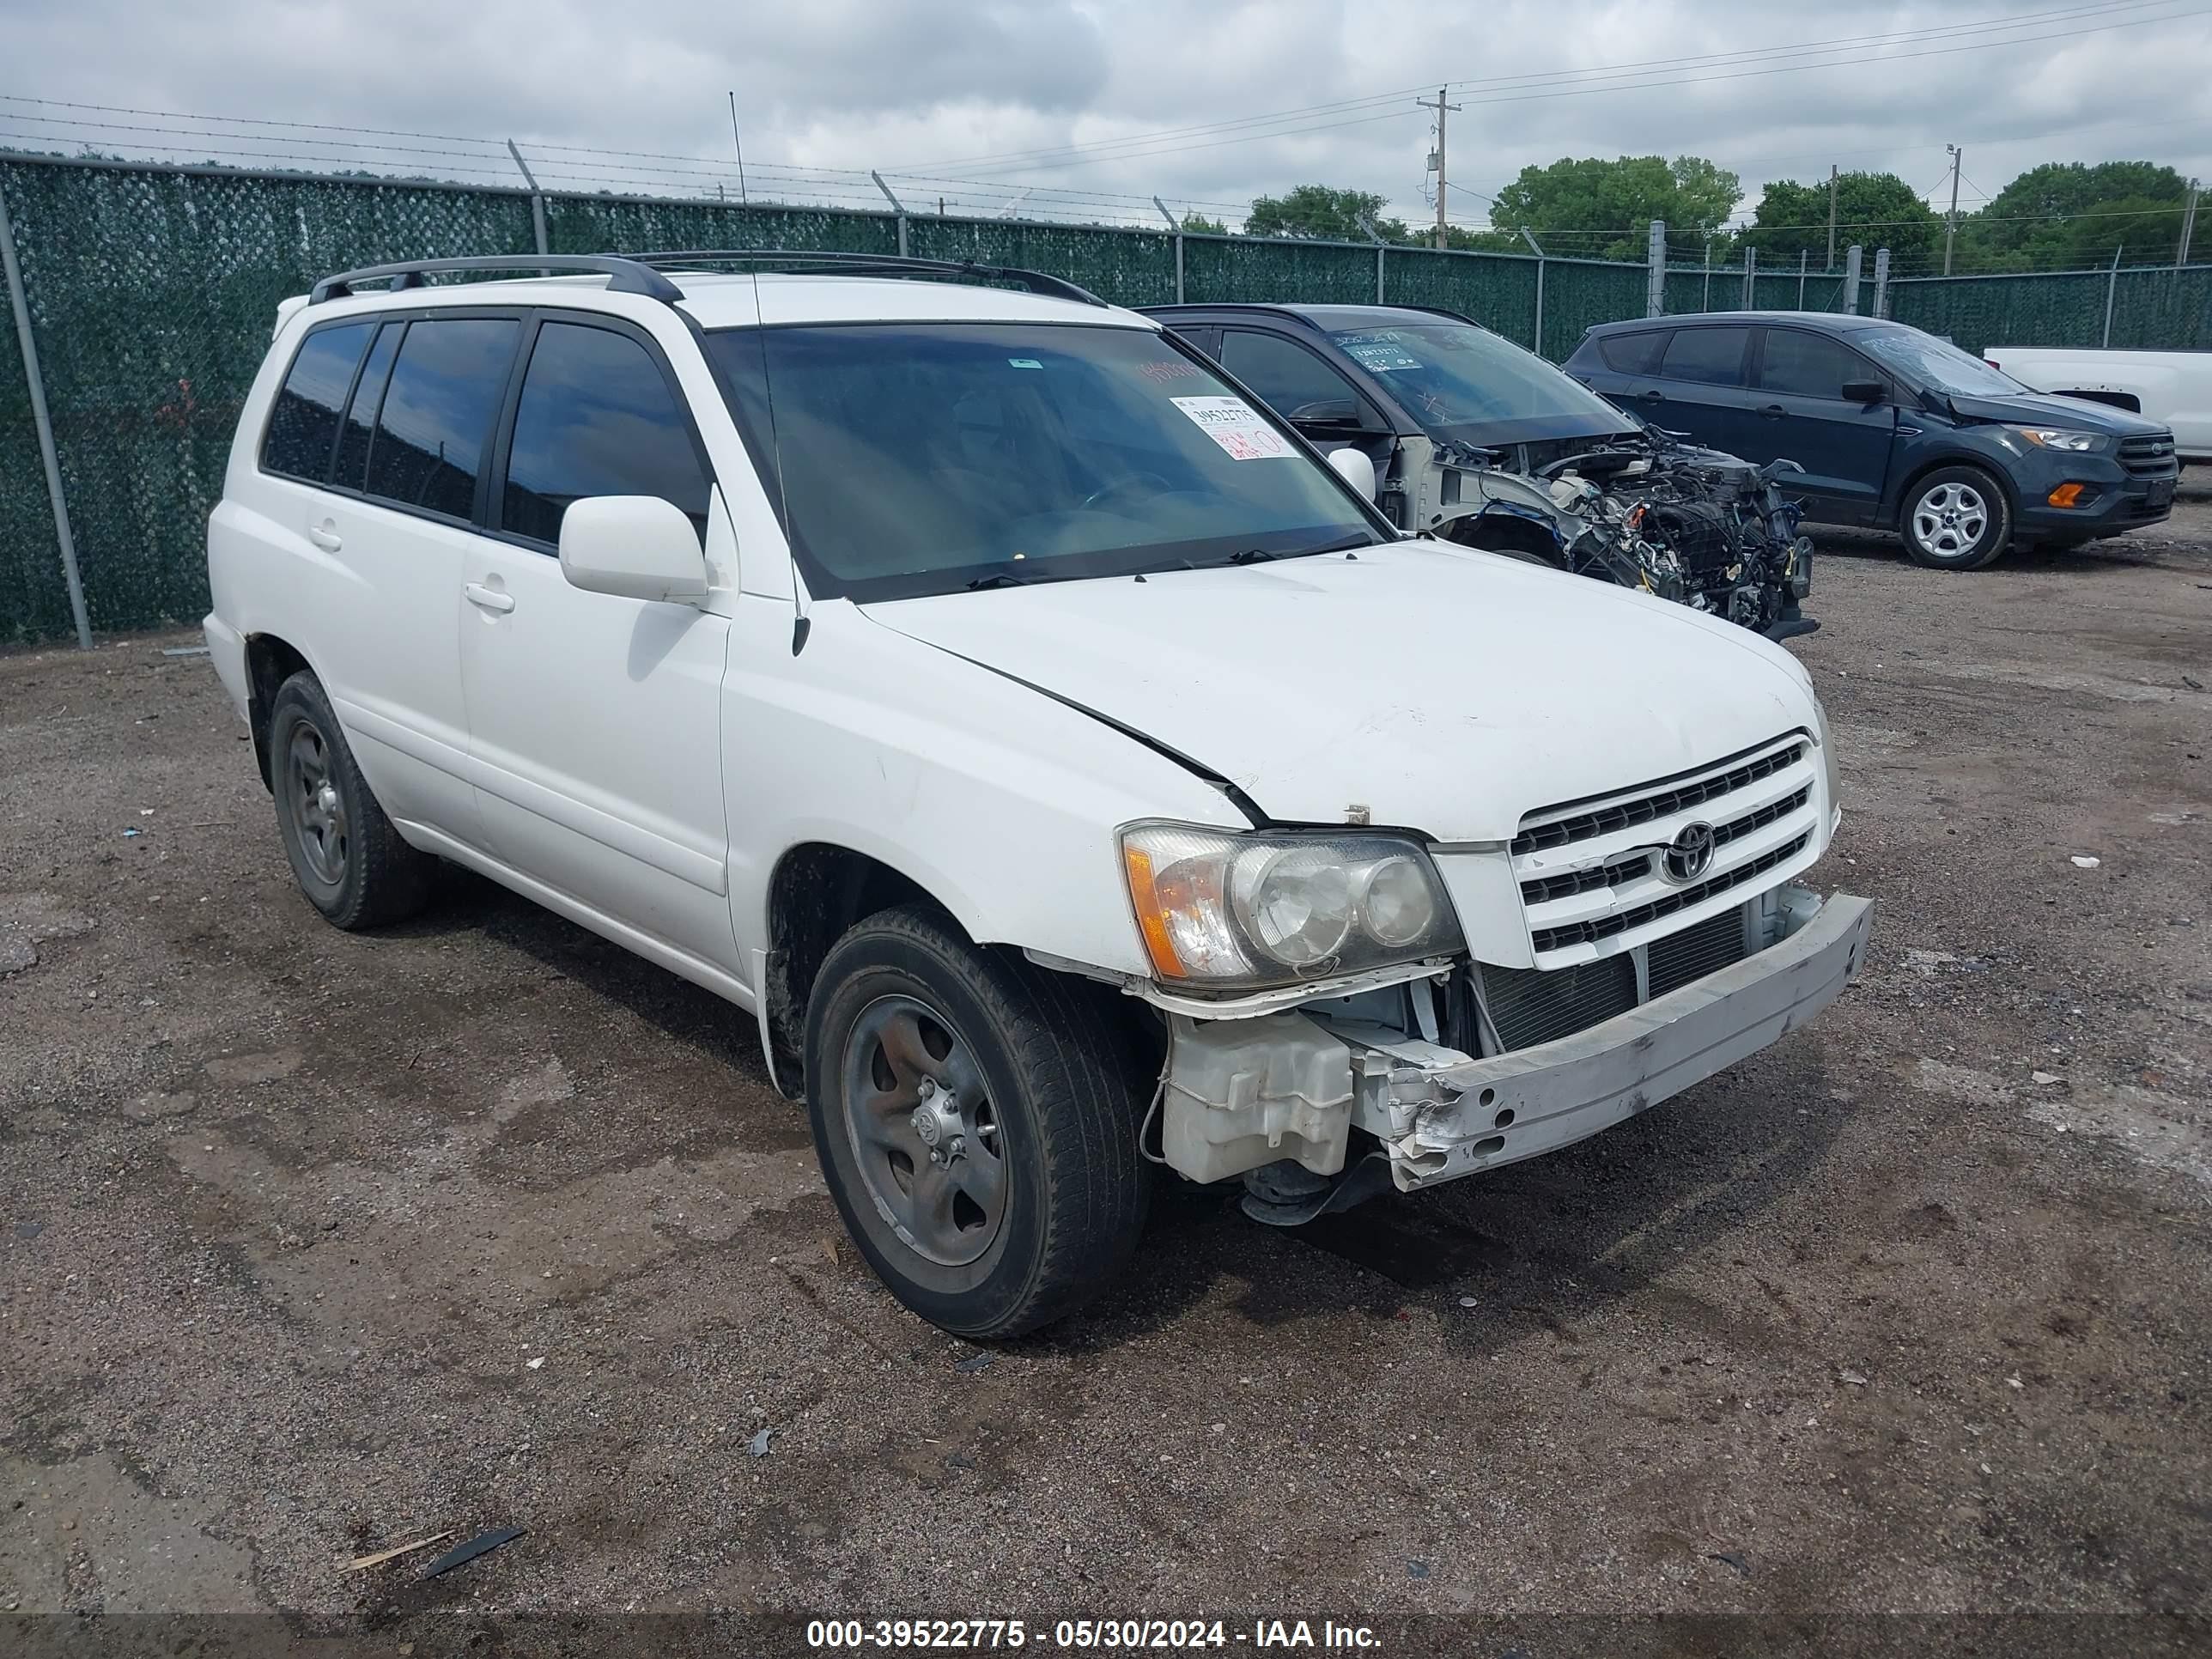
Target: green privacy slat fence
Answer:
pixel 153 291
pixel 2153 306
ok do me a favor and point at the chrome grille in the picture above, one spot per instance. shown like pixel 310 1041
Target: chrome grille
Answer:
pixel 1702 948
pixel 1621 922
pixel 1529 1005
pixel 1659 803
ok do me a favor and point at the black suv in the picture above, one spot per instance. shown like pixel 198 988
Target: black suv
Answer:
pixel 1461 434
pixel 1894 428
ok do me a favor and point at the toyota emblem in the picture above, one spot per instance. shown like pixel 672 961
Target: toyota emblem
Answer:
pixel 1690 854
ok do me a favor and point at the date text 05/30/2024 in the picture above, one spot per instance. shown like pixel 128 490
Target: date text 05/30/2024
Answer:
pixel 1096 1635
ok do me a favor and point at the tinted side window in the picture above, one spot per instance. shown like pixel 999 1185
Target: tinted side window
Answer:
pixel 1713 356
pixel 1287 377
pixel 1808 365
pixel 360 414
pixel 437 412
pixel 303 421
pixel 1633 354
pixel 596 418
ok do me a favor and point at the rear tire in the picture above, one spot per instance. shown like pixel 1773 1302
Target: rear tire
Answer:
pixel 348 858
pixel 977 1121
pixel 1956 519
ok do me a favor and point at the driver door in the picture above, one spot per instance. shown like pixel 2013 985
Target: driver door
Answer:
pixel 1298 384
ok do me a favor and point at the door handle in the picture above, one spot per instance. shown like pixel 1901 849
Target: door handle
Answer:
pixel 487 599
pixel 1772 412
pixel 325 536
pixel 1654 396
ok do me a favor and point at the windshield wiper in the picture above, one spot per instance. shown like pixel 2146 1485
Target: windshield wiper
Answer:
pixel 1000 578
pixel 1253 556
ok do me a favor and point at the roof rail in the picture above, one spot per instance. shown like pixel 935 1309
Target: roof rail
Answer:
pixel 624 276
pixel 871 264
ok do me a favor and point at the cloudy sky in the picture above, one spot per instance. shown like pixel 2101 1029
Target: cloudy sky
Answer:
pixel 1092 106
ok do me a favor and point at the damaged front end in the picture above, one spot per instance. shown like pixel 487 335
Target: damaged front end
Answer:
pixel 1328 1103
pixel 1690 524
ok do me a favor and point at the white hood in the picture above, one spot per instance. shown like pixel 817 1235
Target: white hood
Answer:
pixel 1446 691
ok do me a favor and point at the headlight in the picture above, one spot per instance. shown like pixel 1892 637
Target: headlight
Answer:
pixel 1230 911
pixel 2054 437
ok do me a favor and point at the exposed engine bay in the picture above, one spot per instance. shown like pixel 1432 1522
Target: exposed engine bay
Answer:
pixel 1643 509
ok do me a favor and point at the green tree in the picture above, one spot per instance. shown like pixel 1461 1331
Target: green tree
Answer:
pixel 2069 215
pixel 1874 209
pixel 1199 225
pixel 1604 209
pixel 1323 212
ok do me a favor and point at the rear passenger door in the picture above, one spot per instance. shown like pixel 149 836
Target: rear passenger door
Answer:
pixel 1700 386
pixel 398 462
pixel 1801 415
pixel 595 722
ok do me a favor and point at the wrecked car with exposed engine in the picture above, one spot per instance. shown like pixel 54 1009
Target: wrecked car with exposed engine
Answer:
pixel 1473 439
pixel 1065 764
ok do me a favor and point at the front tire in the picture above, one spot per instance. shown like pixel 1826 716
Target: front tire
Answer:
pixel 1956 519
pixel 977 1121
pixel 348 858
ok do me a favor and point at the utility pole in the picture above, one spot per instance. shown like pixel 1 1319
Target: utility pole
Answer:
pixel 2188 224
pixel 1443 109
pixel 1951 221
pixel 1831 266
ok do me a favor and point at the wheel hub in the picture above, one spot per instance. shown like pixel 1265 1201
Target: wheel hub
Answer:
pixel 937 1121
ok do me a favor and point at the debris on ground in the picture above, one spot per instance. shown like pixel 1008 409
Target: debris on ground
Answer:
pixel 184 651
pixel 482 1544
pixel 1417 1570
pixel 758 1444
pixel 2044 1077
pixel 1730 1558
pixel 537 1364
pixel 1853 1378
pixel 974 1362
pixel 362 1563
pixel 2082 863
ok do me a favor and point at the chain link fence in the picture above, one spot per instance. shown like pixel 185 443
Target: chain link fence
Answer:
pixel 152 291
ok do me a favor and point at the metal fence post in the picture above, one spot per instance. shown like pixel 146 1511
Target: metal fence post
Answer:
pixel 1538 348
pixel 1881 282
pixel 2112 286
pixel 1175 226
pixel 20 302
pixel 536 203
pixel 1851 257
pixel 1705 300
pixel 1376 237
pixel 1655 287
pixel 897 207
pixel 1750 277
pixel 1801 254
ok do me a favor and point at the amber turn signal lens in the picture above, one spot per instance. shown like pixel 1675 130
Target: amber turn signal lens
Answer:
pixel 2065 495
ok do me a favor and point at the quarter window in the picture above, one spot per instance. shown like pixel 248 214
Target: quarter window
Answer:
pixel 437 412
pixel 1802 365
pixel 1712 356
pixel 360 414
pixel 1633 354
pixel 596 418
pixel 304 421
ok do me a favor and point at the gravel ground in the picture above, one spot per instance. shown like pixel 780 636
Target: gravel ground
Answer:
pixel 313 1244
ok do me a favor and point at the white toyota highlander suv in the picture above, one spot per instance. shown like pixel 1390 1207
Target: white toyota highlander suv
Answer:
pixel 1065 766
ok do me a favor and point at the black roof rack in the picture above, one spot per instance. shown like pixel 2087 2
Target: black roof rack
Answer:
pixel 624 276
pixel 873 264
pixel 639 273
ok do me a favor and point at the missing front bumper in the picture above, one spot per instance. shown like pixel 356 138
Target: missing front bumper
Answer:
pixel 1243 1094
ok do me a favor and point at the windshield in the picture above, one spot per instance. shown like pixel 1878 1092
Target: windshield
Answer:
pixel 1933 363
pixel 1465 384
pixel 926 458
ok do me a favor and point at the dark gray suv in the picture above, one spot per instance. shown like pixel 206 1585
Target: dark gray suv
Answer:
pixel 1893 427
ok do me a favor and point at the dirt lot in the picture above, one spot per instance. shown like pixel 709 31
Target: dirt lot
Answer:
pixel 311 1244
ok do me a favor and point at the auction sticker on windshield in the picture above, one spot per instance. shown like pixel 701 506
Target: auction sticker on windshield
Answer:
pixel 1235 426
pixel 1381 355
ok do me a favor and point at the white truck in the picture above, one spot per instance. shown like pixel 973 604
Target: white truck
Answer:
pixel 1064 763
pixel 2174 387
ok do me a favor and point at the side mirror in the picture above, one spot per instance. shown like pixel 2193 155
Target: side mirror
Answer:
pixel 1865 392
pixel 636 547
pixel 1339 414
pixel 1355 469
